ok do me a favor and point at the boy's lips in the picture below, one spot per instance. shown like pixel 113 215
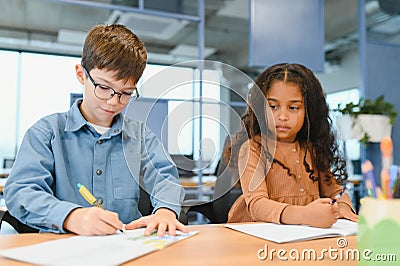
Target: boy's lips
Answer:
pixel 109 111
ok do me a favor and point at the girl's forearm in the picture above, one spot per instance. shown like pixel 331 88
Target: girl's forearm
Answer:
pixel 293 215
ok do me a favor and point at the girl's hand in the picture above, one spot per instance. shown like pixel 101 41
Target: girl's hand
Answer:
pixel 163 220
pixel 346 212
pixel 321 213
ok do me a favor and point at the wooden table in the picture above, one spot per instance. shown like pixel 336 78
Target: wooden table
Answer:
pixel 213 245
pixel 193 181
pixel 2 183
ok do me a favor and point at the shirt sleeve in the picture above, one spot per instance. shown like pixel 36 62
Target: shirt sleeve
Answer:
pixel 28 192
pixel 160 175
pixel 252 170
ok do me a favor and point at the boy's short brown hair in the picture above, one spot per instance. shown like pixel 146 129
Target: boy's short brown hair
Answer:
pixel 115 48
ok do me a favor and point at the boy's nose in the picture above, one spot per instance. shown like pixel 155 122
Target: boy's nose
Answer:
pixel 114 100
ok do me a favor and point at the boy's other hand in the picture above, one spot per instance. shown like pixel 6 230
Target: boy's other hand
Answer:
pixel 163 220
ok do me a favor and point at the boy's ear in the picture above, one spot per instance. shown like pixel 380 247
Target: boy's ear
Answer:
pixel 80 73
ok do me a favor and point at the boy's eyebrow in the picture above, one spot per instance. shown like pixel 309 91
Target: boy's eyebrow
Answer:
pixel 105 82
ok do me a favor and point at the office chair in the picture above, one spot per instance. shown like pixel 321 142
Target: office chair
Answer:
pixel 5 216
pixel 146 208
pixel 227 189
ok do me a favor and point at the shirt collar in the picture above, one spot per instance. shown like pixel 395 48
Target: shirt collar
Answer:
pixel 76 121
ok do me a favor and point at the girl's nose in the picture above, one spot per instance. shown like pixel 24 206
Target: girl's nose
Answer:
pixel 282 115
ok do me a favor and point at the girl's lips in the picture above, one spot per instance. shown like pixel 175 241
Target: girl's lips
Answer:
pixel 282 128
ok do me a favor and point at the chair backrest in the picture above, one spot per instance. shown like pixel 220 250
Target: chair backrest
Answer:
pixel 184 163
pixel 227 186
pixel 5 216
pixel 145 206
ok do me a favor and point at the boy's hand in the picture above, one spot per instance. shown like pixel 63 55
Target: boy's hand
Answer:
pixel 163 220
pixel 92 221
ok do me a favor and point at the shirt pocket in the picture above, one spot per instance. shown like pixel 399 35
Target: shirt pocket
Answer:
pixel 125 175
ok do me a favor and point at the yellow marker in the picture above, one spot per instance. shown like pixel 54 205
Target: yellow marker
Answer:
pixel 88 196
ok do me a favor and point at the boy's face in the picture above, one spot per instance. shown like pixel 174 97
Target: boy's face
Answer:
pixel 97 111
pixel 287 106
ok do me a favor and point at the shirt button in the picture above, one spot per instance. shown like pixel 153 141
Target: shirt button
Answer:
pixel 116 130
pixel 301 189
pixel 100 142
pixel 99 172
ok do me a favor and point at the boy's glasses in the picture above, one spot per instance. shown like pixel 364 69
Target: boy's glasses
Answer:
pixel 104 92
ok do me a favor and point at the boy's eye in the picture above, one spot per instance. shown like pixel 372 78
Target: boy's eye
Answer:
pixel 273 106
pixel 104 87
pixel 129 93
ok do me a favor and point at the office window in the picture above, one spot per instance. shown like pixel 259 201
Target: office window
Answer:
pixel 8 106
pixel 342 98
pixel 46 84
pixel 176 84
pixel 211 116
pixel 351 146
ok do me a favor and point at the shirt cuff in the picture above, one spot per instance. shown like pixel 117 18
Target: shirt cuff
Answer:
pixel 57 216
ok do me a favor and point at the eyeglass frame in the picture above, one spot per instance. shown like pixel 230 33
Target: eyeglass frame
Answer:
pixel 102 86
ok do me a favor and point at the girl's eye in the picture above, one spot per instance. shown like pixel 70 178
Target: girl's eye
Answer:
pixel 272 106
pixel 294 108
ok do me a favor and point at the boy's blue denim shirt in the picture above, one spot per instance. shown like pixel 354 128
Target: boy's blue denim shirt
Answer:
pixel 62 150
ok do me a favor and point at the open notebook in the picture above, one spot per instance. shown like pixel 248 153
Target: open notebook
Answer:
pixel 281 233
pixel 93 250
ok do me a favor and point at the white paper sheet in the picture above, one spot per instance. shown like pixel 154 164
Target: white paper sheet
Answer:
pixel 93 250
pixel 281 233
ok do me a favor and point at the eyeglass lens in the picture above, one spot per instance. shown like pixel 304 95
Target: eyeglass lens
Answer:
pixel 105 93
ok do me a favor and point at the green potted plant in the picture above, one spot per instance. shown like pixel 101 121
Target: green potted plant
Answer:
pixel 368 120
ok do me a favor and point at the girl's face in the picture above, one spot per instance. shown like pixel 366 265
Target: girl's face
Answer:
pixel 287 107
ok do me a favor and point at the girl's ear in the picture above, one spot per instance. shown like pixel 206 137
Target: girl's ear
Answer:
pixel 80 73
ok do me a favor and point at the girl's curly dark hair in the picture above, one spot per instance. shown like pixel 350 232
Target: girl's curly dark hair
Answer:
pixel 316 135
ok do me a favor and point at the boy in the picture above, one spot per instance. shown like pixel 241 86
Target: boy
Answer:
pixel 94 145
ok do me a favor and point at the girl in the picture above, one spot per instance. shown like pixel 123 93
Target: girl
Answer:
pixel 288 159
